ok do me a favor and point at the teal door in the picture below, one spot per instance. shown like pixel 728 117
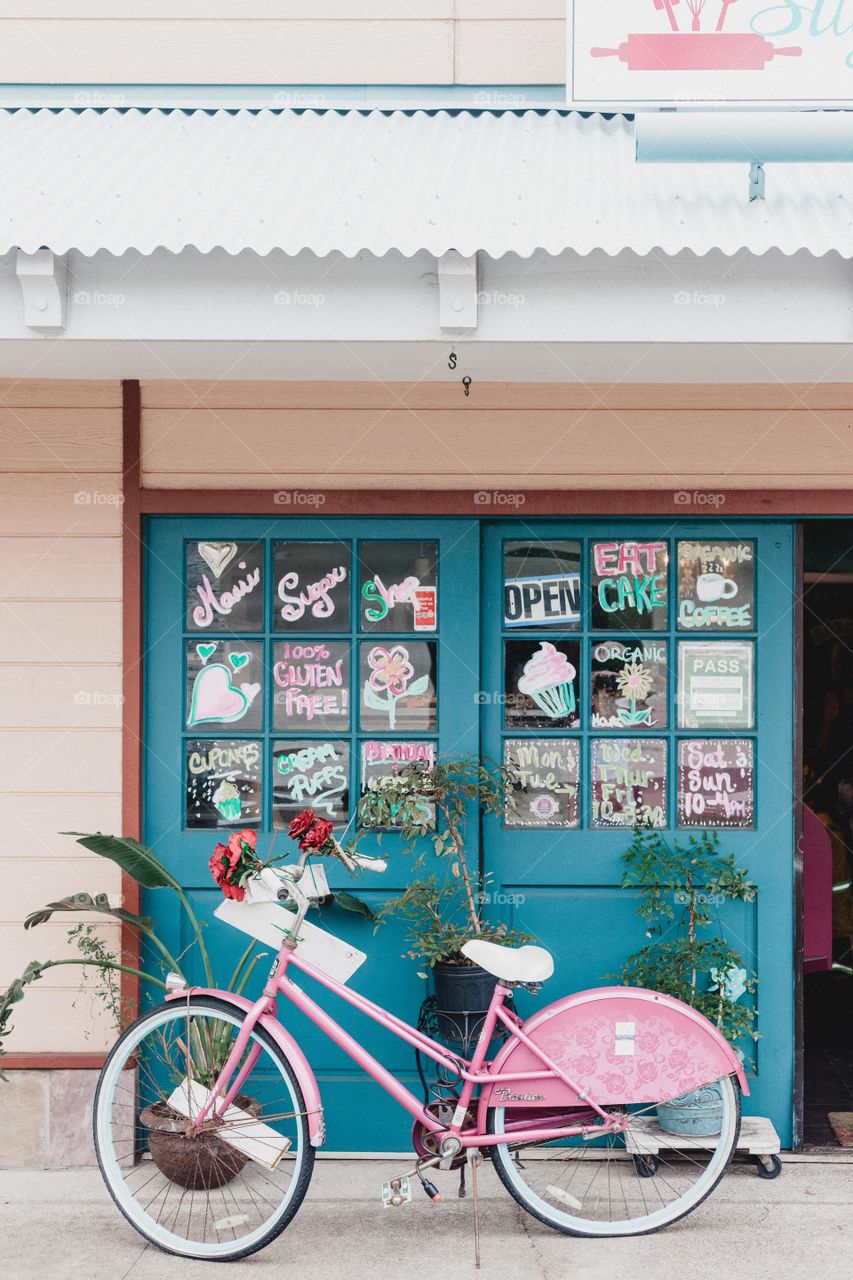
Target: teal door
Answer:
pixel 656 693
pixel 631 671
pixel 287 661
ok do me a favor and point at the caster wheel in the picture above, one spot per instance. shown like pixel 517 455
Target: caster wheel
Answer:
pixel 646 1166
pixel 774 1170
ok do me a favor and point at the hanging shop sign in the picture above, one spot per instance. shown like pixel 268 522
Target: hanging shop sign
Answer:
pixel 710 53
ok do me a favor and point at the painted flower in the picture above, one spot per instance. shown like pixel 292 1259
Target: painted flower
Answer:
pixel 301 823
pixel 634 681
pixel 390 669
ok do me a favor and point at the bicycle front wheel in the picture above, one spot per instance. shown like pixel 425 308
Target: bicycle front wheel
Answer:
pixel 624 1184
pixel 196 1192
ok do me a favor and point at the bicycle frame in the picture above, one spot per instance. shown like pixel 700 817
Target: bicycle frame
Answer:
pixel 472 1073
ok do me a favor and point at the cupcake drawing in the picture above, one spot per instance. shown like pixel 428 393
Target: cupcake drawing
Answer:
pixel 549 680
pixel 227 800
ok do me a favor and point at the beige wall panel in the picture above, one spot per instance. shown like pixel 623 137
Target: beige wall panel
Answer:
pixel 226 52
pixel 510 53
pixel 511 10
pixel 60 568
pixel 50 880
pixel 60 505
pixel 18 946
pixel 462 449
pixel 47 393
pixel 32 827
pixel 61 759
pixel 49 1020
pixel 76 440
pixel 217 10
pixel 60 632
pixel 494 395
pixel 66 697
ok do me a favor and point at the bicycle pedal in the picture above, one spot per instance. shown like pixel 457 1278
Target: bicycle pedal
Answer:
pixel 396 1192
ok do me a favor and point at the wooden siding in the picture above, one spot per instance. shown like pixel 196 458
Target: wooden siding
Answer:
pixel 287 42
pixel 60 683
pixel 523 436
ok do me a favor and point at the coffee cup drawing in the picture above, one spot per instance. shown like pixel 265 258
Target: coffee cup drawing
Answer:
pixel 713 586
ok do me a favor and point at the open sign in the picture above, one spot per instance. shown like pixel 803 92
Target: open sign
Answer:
pixel 543 602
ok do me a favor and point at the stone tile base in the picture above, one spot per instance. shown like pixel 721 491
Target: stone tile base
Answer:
pixel 46 1119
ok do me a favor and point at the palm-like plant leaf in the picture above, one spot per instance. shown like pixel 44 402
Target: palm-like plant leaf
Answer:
pixel 136 859
pixel 85 902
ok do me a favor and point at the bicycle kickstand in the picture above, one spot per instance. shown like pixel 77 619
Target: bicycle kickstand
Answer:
pixel 476 1204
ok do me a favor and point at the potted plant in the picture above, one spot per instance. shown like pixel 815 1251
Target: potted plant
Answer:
pixel 202 1160
pixel 435 805
pixel 679 884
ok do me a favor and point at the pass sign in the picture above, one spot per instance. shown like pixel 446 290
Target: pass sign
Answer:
pixel 631 54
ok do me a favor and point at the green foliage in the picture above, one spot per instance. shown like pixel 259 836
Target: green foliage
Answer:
pixel 681 886
pixel 431 808
pixel 136 859
pixel 77 902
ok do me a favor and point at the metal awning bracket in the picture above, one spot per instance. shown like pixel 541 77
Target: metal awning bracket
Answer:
pixel 458 288
pixel 756 181
pixel 43 277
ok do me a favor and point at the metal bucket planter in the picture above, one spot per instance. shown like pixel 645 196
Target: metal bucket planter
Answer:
pixel 698 1114
pixel 460 990
pixel 199 1162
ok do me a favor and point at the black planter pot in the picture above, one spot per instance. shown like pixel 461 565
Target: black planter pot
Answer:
pixel 463 993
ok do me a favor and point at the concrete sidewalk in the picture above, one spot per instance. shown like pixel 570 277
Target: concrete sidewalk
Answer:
pixel 59 1226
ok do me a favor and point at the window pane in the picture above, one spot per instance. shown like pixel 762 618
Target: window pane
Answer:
pixel 542 584
pixel 715 684
pixel 629 586
pixel 399 586
pixel 225 683
pixel 716 782
pixel 716 586
pixel 311 685
pixel 381 758
pixel 628 782
pixel 224 586
pixel 629 684
pixel 546 772
pixel 541 684
pixel 398 686
pixel 310 775
pixel 223 783
pixel 312 586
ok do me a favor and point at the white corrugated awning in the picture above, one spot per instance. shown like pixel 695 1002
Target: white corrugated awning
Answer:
pixel 352 181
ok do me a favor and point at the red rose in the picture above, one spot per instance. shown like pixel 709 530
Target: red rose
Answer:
pixel 317 836
pixel 300 824
pixel 234 891
pixel 216 863
pixel 236 841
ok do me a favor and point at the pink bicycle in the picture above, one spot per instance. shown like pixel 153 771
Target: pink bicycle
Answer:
pixel 208 1115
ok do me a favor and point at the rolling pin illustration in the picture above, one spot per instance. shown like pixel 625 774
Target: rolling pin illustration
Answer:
pixel 697 51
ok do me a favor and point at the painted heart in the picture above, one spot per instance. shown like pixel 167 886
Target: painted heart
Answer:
pixel 215 698
pixel 205 651
pixel 251 691
pixel 217 555
pixel 238 660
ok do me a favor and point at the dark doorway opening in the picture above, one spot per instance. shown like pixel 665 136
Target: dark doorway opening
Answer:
pixel 827 839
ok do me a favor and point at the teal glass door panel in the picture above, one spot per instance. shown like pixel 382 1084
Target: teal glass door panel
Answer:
pixel 286 662
pixel 561 618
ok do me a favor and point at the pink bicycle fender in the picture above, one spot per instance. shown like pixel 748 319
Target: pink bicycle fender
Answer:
pixel 619 1045
pixel 290 1049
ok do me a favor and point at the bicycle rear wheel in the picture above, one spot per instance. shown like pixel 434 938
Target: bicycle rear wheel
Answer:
pixel 620 1184
pixel 194 1193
